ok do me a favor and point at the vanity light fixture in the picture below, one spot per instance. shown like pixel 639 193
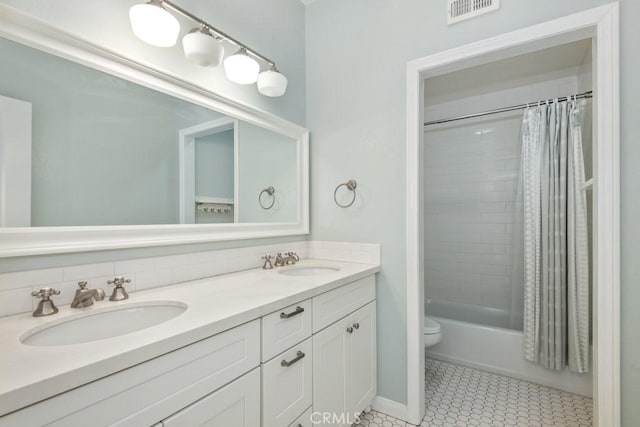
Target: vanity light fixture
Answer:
pixel 153 23
pixel 241 68
pixel 272 82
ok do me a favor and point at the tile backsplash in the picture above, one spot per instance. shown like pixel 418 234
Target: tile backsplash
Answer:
pixel 145 273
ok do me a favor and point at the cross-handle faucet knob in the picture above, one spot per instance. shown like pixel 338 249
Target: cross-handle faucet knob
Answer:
pixel 46 307
pixel 119 293
pixel 45 293
pixel 267 262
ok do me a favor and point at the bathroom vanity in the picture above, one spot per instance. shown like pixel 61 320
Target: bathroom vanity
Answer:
pixel 257 347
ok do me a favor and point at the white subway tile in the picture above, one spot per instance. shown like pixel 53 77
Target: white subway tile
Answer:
pixel 498 218
pixel 495 270
pixel 171 261
pixel 497 238
pixel 460 237
pixel 27 279
pixel 153 279
pixel 497 196
pixel 185 273
pixel 14 301
pixel 204 257
pixel 131 266
pixel 86 271
pixel 496 259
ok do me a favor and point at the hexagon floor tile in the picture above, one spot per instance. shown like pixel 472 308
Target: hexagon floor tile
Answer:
pixel 459 396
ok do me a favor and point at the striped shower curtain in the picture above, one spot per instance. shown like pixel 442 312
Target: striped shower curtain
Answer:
pixel 555 239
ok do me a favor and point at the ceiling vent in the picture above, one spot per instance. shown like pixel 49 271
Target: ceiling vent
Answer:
pixel 459 10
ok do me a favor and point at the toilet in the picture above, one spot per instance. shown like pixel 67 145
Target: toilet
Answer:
pixel 432 332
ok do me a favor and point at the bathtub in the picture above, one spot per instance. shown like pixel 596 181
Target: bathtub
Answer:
pixel 490 346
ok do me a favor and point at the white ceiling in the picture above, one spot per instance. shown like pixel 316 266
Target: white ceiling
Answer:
pixel 474 81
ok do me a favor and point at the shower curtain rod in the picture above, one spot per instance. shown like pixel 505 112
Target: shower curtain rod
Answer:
pixel 584 95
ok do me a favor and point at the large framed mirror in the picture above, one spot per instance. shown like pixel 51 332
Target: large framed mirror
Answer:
pixel 99 152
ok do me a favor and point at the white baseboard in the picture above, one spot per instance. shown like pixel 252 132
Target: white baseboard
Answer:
pixel 390 407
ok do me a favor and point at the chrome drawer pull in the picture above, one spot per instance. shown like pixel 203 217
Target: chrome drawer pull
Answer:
pixel 356 326
pixel 295 312
pixel 299 356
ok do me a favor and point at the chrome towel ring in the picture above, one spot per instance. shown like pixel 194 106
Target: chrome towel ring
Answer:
pixel 351 185
pixel 270 191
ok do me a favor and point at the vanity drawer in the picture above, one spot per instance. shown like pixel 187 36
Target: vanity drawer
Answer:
pixel 285 328
pixel 334 305
pixel 287 385
pixel 151 391
pixel 236 404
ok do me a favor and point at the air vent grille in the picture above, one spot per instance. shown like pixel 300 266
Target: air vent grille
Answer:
pixel 459 10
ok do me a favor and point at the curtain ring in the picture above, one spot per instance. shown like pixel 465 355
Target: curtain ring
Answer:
pixel 270 191
pixel 351 186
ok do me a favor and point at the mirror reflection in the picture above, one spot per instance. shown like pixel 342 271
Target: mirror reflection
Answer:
pixel 105 151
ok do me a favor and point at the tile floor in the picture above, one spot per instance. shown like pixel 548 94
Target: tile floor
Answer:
pixel 458 396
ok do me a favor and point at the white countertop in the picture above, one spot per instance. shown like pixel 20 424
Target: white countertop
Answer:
pixel 29 374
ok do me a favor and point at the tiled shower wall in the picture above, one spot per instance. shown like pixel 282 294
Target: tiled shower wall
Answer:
pixel 470 178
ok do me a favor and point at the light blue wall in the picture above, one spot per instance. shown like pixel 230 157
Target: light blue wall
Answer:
pixel 275 28
pixel 214 165
pixel 268 160
pixel 357 52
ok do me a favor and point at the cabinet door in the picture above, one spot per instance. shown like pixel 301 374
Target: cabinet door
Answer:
pixel 236 404
pixel 329 373
pixel 287 385
pixel 361 375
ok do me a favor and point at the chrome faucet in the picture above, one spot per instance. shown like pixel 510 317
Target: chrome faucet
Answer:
pixel 119 292
pixel 85 297
pixel 289 258
pixel 46 307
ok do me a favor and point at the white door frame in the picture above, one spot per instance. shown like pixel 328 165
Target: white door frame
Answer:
pixel 187 165
pixel 602 25
pixel 15 162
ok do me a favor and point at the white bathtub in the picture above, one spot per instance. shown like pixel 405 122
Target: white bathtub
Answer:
pixel 493 348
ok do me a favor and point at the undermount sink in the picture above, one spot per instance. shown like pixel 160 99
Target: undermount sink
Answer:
pixel 103 323
pixel 311 270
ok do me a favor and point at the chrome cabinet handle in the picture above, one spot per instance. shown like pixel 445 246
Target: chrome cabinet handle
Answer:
pixel 299 355
pixel 295 312
pixel 356 326
pixel 350 329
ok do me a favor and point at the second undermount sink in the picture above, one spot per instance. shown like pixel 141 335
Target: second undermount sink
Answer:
pixel 309 270
pixel 103 323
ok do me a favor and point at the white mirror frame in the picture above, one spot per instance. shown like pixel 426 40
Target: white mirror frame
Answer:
pixel 25 241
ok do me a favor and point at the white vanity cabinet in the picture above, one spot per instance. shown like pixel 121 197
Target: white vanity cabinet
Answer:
pixel 236 404
pixel 344 357
pixel 289 368
pixel 151 391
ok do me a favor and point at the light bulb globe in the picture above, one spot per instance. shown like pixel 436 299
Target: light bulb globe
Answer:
pixel 241 68
pixel 202 48
pixel 272 83
pixel 154 25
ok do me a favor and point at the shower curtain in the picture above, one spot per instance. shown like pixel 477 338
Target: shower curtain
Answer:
pixel 554 243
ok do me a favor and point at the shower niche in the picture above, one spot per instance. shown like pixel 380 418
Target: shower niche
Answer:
pixel 473 268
